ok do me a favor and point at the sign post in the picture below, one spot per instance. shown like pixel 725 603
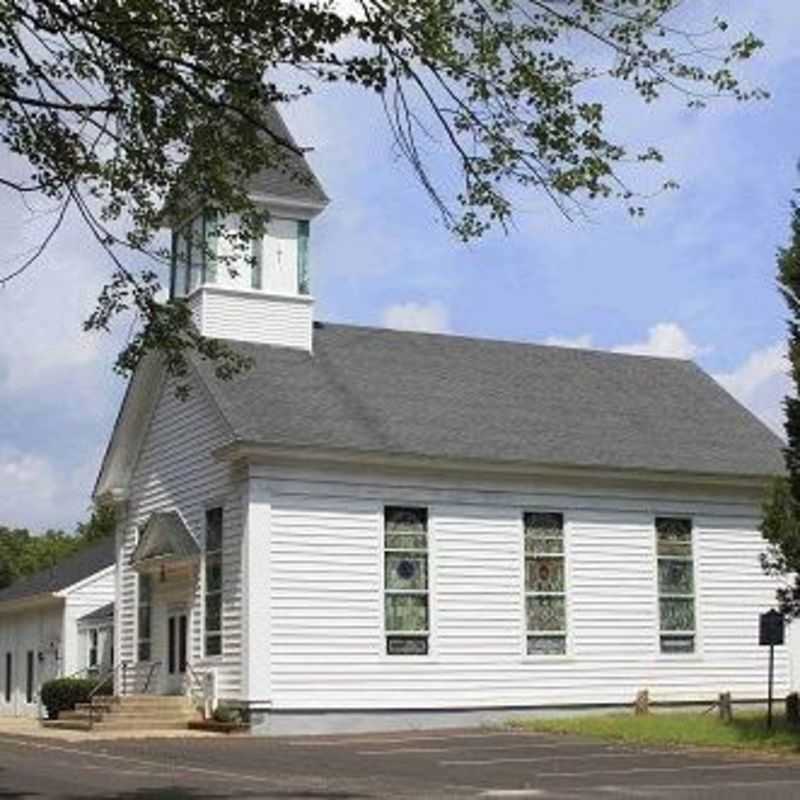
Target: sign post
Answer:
pixel 770 633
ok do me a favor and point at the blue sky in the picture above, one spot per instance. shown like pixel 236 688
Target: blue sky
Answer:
pixel 694 279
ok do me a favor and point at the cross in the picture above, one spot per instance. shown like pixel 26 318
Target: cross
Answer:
pixel 279 254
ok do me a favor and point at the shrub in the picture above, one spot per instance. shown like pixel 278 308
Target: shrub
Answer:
pixel 226 714
pixel 62 694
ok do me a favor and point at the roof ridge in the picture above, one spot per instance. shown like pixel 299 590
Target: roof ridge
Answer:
pixel 322 324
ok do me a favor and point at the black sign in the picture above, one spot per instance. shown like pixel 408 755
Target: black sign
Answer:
pixel 770 628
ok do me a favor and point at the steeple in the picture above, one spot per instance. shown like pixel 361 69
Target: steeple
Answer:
pixel 268 298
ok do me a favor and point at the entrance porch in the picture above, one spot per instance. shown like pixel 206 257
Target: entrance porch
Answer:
pixel 167 560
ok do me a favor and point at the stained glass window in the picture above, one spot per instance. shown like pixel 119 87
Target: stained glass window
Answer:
pixel 675 584
pixel 406 611
pixel 213 600
pixel 545 584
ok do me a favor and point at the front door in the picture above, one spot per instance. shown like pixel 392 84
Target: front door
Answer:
pixel 177 633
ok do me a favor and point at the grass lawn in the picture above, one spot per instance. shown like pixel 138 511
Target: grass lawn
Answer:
pixel 748 731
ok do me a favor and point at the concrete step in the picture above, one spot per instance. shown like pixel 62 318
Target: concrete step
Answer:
pixel 66 725
pixel 130 713
pixel 154 698
pixel 159 702
pixel 187 714
pixel 84 716
pixel 187 709
pixel 141 725
pixel 101 708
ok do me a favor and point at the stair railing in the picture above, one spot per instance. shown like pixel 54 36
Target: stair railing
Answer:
pixel 200 683
pixel 108 674
pixel 153 667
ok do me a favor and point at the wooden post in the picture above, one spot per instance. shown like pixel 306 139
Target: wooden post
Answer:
pixel 793 708
pixel 725 707
pixel 769 690
pixel 642 703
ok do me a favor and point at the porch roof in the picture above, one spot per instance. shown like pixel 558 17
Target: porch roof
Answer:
pixel 165 538
pixel 100 616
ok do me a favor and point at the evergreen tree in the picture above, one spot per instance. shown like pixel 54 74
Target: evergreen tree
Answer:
pixel 781 524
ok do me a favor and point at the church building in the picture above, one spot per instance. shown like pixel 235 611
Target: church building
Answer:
pixel 373 529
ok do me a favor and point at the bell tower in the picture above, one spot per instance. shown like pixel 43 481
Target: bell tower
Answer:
pixel 263 297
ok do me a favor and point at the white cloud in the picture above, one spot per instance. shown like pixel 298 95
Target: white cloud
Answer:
pixel 425 317
pixel 761 382
pixel 39 494
pixel 581 342
pixel 667 340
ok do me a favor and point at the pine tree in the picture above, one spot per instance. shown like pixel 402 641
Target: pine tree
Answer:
pixel 781 524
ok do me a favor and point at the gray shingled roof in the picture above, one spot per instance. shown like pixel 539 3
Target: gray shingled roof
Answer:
pixel 71 570
pixel 400 393
pixel 102 615
pixel 293 179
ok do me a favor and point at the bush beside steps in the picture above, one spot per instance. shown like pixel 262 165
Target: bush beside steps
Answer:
pixel 224 720
pixel 63 694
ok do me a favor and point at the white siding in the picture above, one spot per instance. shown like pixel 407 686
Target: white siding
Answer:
pixel 38 630
pixel 325 597
pixel 253 316
pixel 177 471
pixel 49 629
pixel 82 599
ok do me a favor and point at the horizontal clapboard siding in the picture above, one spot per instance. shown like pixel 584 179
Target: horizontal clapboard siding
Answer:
pixel 37 630
pixel 176 470
pixel 326 641
pixel 253 316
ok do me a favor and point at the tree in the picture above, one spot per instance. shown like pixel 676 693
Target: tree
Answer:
pixel 122 110
pixel 781 523
pixel 100 524
pixel 23 553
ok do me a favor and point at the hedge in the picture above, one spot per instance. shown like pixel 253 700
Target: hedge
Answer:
pixel 63 694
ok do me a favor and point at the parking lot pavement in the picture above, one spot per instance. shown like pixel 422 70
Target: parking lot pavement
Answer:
pixel 453 764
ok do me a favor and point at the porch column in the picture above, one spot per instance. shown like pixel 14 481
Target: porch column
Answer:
pixel 256 593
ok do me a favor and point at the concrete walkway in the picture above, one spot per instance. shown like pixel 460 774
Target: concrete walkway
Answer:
pixel 21 726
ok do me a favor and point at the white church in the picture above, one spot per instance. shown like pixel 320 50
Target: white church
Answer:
pixel 374 529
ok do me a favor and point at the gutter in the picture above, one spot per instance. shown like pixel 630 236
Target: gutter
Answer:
pixel 29 602
pixel 258 452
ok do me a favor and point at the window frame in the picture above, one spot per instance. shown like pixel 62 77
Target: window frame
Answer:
pixel 566 633
pixel 142 640
pixel 695 652
pixel 9 664
pixel 303 273
pixel 200 231
pixel 93 647
pixel 429 592
pixel 257 264
pixel 30 676
pixel 217 554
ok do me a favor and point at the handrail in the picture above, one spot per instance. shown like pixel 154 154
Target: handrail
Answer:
pixel 155 665
pixel 110 672
pixel 199 682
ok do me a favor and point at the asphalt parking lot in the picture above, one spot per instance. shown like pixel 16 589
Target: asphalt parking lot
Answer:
pixel 454 764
